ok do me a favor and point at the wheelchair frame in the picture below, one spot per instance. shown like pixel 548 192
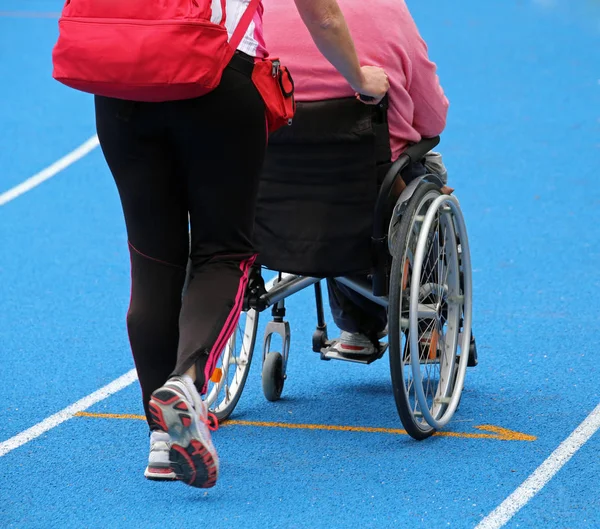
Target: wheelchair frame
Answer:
pixel 259 299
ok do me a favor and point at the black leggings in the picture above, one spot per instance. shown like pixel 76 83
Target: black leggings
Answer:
pixel 200 157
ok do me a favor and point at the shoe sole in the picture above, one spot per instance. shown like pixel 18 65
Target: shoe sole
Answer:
pixel 159 477
pixel 363 351
pixel 191 461
pixel 160 474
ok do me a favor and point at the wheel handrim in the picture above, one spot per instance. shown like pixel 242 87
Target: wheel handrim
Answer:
pixel 447 393
pixel 408 254
pixel 223 393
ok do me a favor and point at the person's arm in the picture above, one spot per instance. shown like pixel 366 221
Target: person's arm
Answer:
pixel 430 102
pixel 329 31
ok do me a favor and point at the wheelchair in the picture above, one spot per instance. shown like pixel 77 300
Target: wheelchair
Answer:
pixel 330 207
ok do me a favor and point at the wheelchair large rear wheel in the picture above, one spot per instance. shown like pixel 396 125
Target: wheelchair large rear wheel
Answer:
pixel 229 377
pixel 429 310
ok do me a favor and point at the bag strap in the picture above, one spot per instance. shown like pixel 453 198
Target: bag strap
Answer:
pixel 241 28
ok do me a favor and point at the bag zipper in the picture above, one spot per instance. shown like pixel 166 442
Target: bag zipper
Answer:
pixel 133 22
pixel 275 68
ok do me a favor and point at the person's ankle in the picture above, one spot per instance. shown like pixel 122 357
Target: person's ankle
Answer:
pixel 188 381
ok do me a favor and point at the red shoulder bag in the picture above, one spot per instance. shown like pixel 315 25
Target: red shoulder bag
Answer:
pixel 157 50
pixel 144 50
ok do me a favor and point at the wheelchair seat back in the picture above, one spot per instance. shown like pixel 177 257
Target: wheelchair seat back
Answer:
pixel 319 187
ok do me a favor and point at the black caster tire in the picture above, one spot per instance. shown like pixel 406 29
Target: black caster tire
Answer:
pixel 272 376
pixel 473 361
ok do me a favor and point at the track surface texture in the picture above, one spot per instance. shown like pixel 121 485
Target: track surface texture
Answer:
pixel 522 147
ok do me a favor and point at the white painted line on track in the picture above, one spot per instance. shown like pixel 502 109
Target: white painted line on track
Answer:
pixel 49 171
pixel 543 474
pixel 67 413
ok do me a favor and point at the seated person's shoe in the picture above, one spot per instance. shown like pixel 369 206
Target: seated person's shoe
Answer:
pixel 354 344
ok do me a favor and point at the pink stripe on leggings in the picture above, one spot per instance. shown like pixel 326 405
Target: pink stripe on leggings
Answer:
pixel 230 323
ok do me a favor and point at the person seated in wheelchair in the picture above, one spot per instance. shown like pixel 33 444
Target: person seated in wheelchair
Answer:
pixel 320 181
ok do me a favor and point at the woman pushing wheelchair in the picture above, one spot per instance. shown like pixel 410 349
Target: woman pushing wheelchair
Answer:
pixel 181 93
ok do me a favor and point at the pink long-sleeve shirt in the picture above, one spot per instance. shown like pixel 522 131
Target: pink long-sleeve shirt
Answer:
pixel 385 35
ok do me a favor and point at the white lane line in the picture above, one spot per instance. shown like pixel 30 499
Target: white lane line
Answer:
pixel 543 474
pixel 49 171
pixel 64 415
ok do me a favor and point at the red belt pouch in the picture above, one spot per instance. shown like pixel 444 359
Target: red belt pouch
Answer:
pixel 276 87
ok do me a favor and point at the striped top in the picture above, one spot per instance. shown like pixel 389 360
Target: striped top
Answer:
pixel 253 42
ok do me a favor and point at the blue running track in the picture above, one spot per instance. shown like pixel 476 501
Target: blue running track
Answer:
pixel 523 151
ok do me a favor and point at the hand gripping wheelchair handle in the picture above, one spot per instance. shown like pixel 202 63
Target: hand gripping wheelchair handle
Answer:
pixel 383 206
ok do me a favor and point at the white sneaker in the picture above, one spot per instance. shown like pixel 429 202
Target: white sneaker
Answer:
pixel 159 467
pixel 178 409
pixel 354 344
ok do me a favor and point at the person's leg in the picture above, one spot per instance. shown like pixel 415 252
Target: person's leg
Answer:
pixel 219 140
pixel 354 313
pixel 133 142
pixel 361 321
pixel 221 161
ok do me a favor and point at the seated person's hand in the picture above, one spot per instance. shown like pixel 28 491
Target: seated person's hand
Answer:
pixel 447 190
pixel 374 84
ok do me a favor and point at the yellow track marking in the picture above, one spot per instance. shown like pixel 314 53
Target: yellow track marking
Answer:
pixel 498 433
pixel 110 415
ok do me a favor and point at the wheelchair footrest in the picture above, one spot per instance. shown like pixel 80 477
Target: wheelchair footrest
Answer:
pixel 329 353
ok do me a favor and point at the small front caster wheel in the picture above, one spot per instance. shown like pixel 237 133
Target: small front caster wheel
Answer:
pixel 273 376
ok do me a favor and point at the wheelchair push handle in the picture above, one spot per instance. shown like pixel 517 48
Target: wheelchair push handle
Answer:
pixel 417 151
